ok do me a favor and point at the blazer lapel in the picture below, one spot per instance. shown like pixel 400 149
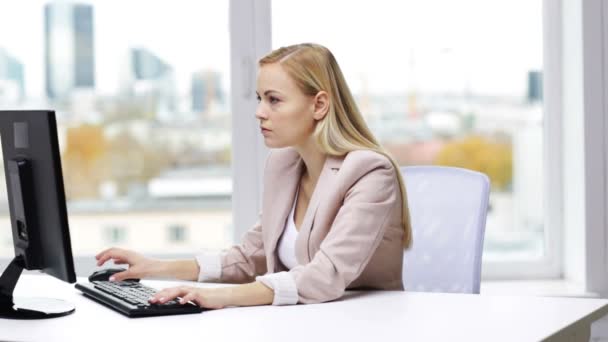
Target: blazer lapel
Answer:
pixel 326 179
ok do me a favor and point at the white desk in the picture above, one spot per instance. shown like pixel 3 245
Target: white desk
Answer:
pixel 360 316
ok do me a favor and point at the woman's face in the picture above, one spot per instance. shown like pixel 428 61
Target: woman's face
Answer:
pixel 286 115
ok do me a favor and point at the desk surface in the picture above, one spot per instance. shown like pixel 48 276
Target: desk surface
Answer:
pixel 359 316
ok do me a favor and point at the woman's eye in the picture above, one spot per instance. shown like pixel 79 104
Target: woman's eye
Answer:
pixel 258 98
pixel 273 100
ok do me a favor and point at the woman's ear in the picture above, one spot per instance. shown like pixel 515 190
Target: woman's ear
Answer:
pixel 321 105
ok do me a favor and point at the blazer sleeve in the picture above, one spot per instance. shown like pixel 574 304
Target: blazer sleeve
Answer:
pixel 352 240
pixel 241 263
pixel 237 264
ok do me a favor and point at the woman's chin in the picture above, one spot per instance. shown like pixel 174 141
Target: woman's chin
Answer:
pixel 271 143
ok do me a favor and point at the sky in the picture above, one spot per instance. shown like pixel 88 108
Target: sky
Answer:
pixel 436 45
pixel 382 45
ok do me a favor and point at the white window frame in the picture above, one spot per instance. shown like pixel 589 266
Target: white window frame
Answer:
pixel 549 266
pixel 250 39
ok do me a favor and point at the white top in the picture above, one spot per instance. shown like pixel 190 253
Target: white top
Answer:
pixel 287 244
pixel 396 315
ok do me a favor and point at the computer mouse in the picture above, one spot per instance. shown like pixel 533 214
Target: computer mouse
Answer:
pixel 105 274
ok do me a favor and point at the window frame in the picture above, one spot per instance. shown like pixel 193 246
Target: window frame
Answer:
pixel 550 265
pixel 250 35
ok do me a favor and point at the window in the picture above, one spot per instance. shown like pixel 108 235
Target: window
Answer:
pixel 115 235
pixel 145 117
pixel 177 233
pixel 460 86
pixel 141 93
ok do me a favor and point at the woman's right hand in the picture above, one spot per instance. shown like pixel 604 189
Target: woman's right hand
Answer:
pixel 139 266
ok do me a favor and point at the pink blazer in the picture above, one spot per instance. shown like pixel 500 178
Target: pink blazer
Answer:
pixel 351 236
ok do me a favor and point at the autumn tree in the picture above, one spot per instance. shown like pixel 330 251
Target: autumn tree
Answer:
pixel 494 158
pixel 83 160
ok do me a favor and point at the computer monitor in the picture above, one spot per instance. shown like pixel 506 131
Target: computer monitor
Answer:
pixel 39 220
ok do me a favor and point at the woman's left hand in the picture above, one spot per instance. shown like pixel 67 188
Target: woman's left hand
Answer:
pixel 215 298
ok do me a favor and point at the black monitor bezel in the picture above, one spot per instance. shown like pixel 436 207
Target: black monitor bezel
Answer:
pixel 52 253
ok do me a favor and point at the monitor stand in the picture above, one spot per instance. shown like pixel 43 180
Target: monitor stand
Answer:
pixel 27 308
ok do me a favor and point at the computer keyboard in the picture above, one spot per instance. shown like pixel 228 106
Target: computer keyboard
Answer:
pixel 131 299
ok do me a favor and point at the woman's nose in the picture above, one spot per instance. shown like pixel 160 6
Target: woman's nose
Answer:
pixel 259 113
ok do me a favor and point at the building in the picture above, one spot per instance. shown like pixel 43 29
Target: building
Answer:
pixel 149 225
pixel 12 85
pixel 535 86
pixel 145 65
pixel 206 91
pixel 150 81
pixel 69 48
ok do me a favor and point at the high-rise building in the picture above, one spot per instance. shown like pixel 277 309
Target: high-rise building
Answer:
pixel 206 88
pixel 535 86
pixel 69 48
pixel 151 82
pixel 11 78
pixel 146 65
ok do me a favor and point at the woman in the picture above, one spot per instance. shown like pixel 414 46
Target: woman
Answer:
pixel 335 214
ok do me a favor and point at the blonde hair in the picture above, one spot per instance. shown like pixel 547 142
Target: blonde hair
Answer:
pixel 343 129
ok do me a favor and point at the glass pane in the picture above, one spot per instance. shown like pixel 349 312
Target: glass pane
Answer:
pixel 447 83
pixel 140 91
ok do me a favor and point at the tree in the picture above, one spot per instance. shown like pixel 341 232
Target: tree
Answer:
pixel 83 160
pixel 131 161
pixel 478 153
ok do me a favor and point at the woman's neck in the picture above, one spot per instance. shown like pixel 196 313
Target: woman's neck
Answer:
pixel 314 160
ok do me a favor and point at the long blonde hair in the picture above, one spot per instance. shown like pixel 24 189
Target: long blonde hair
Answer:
pixel 314 68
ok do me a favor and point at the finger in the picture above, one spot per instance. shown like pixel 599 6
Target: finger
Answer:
pixel 119 259
pixel 120 276
pixel 190 297
pixel 105 256
pixel 102 260
pixel 111 251
pixel 160 295
pixel 102 253
pixel 170 293
pixel 114 254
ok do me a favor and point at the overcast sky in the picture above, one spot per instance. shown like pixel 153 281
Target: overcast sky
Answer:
pixel 486 46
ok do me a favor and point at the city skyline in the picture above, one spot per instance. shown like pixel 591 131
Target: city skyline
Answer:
pixel 115 34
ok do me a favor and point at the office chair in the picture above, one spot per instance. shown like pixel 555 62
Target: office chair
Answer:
pixel 448 209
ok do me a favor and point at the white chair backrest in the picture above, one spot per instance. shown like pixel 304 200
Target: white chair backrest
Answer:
pixel 448 209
